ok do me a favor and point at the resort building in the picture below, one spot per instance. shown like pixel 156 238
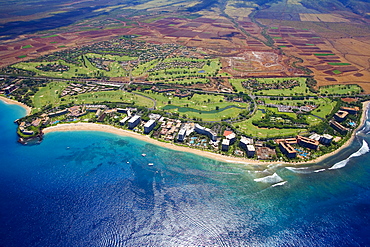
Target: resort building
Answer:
pixel 288 150
pixel 134 121
pixel 205 131
pixel 123 121
pixel 181 135
pixel 350 110
pixel 10 89
pixel 315 137
pixel 251 151
pixel 340 116
pixel 58 113
pixel 149 126
pixel 326 139
pixel 307 142
pixel 231 136
pixel 244 141
pixel 338 127
pixel 36 122
pixel 225 145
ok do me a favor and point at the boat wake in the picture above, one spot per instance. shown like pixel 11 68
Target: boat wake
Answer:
pixel 363 150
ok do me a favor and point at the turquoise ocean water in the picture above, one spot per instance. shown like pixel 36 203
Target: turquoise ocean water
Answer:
pixel 96 189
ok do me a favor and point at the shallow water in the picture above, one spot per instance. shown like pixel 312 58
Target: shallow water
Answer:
pixel 96 189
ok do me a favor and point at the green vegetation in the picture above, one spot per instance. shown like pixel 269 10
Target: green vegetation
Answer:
pixel 246 127
pixel 22 56
pixel 339 64
pixel 340 89
pixel 26 46
pixel 337 71
pixel 48 95
pixel 323 54
pixel 50 36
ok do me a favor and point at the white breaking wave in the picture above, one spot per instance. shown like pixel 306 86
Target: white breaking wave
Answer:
pixel 298 169
pixel 279 184
pixel 363 150
pixel 320 170
pixel 273 179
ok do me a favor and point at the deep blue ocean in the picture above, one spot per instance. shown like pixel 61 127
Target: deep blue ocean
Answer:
pixel 96 189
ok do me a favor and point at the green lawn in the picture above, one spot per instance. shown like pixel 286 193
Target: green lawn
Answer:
pixel 340 89
pixel 109 96
pixel 26 46
pixel 249 129
pixel 199 106
pixel 48 95
pixel 325 105
pixel 116 69
pixel 302 89
pixel 237 83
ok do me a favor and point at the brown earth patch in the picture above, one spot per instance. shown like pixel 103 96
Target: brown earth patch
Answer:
pixel 330 79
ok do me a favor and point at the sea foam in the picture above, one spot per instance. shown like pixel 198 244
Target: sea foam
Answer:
pixel 363 150
pixel 298 169
pixel 272 179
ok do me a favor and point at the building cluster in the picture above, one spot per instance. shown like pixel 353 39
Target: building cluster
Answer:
pixel 340 116
pixel 254 84
pixel 287 108
pixel 76 88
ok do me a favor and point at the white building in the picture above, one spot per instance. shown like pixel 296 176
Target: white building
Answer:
pixel 244 141
pixel 149 126
pixel 225 145
pixel 251 150
pixel 205 131
pixel 326 139
pixel 182 134
pixel 123 121
pixel 134 121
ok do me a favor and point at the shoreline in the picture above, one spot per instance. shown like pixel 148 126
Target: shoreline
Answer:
pixel 219 157
pixel 14 102
pixel 121 132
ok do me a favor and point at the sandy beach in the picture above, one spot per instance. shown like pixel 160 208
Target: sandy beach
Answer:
pixel 14 102
pixel 219 157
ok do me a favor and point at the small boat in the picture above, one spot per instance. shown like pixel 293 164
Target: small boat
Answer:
pixel 150 164
pixel 143 155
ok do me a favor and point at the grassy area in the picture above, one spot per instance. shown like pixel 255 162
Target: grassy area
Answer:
pixel 249 129
pixel 88 69
pixel 325 107
pixel 302 89
pixel 176 73
pixel 340 89
pixel 48 95
pixel 26 46
pixel 22 56
pixel 109 96
pixel 110 57
pixel 237 83
pixel 200 106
